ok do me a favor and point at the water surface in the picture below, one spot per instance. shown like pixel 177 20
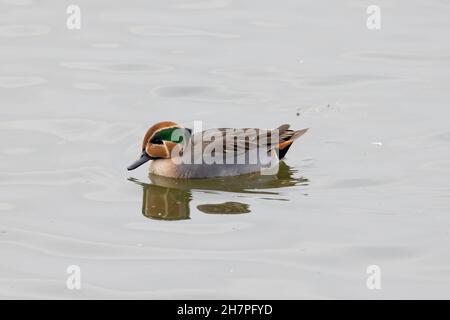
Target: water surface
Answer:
pixel 74 106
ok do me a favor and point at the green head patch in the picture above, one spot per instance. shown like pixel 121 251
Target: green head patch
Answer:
pixel 169 134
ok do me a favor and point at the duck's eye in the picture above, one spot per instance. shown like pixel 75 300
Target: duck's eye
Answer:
pixel 157 141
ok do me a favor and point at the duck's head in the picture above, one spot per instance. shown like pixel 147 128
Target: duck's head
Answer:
pixel 159 141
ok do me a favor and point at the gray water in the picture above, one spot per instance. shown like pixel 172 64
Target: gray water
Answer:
pixel 367 185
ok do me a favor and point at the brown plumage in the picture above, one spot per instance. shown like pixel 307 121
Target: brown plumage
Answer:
pixel 167 141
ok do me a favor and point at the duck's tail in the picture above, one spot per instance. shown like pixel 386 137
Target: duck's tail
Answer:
pixel 287 137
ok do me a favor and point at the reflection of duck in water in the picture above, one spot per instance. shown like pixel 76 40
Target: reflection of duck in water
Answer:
pixel 169 199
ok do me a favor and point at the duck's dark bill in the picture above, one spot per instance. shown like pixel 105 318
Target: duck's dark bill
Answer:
pixel 143 159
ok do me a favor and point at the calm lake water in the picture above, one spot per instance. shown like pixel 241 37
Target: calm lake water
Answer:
pixel 367 185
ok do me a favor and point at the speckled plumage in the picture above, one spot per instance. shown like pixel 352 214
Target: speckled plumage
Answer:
pixel 165 162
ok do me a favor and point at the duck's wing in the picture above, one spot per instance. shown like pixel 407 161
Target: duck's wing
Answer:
pixel 241 141
pixel 279 139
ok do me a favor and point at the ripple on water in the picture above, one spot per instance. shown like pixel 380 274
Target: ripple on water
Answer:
pixel 442 136
pixel 267 24
pixel 13 31
pixel 20 82
pixel 162 31
pixel 260 73
pixel 385 252
pixel 18 2
pixel 107 188
pixel 345 79
pixel 117 67
pixel 206 93
pixel 393 56
pixel 17 151
pixel 209 4
pixel 6 206
pixel 358 183
pixel 88 86
pixel 199 229
pixel 106 45
pixel 444 3
pixel 74 129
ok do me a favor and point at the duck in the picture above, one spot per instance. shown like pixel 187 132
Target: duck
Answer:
pixel 174 151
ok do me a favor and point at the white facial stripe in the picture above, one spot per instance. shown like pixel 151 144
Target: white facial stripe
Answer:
pixel 167 150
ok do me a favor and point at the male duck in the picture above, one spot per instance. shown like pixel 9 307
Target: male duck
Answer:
pixel 177 153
